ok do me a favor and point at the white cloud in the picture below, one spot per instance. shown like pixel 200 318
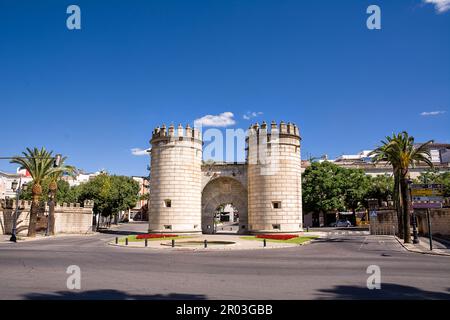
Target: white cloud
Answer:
pixel 224 119
pixel 432 113
pixel 140 152
pixel 250 115
pixel 440 5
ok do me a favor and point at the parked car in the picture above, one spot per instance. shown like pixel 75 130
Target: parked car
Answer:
pixel 341 224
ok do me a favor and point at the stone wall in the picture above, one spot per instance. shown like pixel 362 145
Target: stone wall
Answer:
pixel 69 217
pixel 386 221
pixel 440 221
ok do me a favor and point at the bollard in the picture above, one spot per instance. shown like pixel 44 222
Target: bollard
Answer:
pixel 126 241
pixel 265 242
pixel 117 240
pixel 173 243
pixel 146 242
pixel 206 243
pixel 307 229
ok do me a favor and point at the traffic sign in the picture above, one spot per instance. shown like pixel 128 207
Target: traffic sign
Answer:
pixel 431 198
pixel 427 190
pixel 427 196
pixel 427 205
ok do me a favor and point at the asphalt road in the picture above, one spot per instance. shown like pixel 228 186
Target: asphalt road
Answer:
pixel 330 268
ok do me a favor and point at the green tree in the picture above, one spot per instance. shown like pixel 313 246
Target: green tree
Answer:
pixel 64 192
pixel 401 152
pixel 434 176
pixel 322 188
pixel 40 164
pixel 381 188
pixel 444 178
pixel 110 194
pixel 431 175
pixel 355 186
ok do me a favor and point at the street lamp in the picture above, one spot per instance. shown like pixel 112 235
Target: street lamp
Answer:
pixel 414 221
pixel 17 187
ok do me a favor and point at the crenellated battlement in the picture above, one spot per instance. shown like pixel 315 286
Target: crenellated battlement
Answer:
pixel 176 133
pixel 26 204
pixel 282 128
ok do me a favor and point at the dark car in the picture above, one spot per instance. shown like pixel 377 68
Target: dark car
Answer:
pixel 341 224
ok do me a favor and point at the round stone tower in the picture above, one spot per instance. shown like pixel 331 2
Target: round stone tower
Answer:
pixel 175 180
pixel 274 179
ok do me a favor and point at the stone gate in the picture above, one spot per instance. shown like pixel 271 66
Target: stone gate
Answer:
pixel 266 190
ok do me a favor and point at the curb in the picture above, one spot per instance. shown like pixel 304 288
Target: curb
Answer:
pixel 26 239
pixel 422 252
pixel 227 248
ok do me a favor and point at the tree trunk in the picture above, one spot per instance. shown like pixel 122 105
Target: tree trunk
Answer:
pixel 33 218
pixel 51 217
pixel 398 204
pixel 406 209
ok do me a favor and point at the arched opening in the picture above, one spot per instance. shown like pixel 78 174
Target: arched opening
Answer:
pixel 224 206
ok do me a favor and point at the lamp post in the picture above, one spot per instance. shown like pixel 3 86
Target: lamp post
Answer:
pixel 414 221
pixel 17 187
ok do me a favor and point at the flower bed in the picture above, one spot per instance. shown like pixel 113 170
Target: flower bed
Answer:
pixel 276 236
pixel 155 236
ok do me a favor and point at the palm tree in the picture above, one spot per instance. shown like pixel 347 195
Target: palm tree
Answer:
pixel 382 154
pixel 400 151
pixel 40 164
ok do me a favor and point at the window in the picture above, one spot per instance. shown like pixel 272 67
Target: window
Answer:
pixel 168 227
pixel 276 226
pixel 168 203
pixel 276 204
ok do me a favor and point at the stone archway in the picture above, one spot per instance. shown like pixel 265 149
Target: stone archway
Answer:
pixel 224 190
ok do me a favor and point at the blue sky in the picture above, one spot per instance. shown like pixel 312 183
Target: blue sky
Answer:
pixel 96 93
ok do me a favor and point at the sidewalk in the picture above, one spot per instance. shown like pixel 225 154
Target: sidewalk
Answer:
pixel 423 247
pixel 21 238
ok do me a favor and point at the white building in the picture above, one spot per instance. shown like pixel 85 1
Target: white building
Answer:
pixel 439 156
pixel 80 178
pixel 6 180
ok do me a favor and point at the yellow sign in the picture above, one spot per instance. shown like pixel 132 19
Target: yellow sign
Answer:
pixel 425 192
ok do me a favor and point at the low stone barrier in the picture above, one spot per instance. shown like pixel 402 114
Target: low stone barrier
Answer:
pixel 69 217
pixel 386 221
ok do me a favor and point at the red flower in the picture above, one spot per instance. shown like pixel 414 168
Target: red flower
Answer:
pixel 276 236
pixel 155 236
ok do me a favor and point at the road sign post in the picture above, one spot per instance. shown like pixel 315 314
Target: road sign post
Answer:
pixel 427 196
pixel 430 236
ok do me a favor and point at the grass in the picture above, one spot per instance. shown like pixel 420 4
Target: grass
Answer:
pixel 298 240
pixel 133 239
